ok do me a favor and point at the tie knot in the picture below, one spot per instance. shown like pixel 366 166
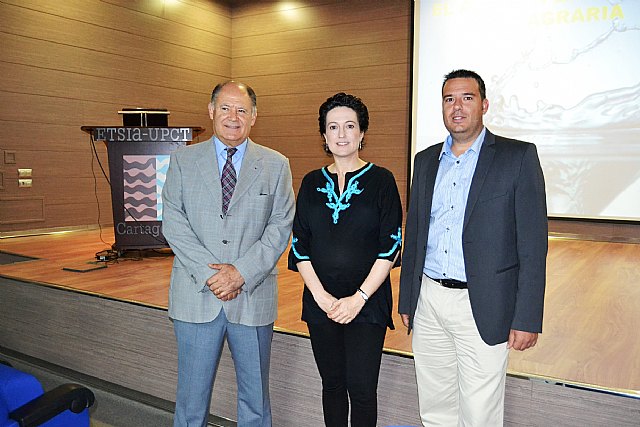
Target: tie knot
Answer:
pixel 231 151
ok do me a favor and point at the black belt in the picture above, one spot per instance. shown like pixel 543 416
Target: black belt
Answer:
pixel 450 283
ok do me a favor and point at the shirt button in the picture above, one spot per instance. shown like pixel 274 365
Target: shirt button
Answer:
pixel 225 242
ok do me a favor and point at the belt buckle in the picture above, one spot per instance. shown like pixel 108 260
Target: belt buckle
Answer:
pixel 438 281
pixel 450 283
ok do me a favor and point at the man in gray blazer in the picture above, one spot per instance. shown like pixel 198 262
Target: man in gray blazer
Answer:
pixel 228 210
pixel 473 275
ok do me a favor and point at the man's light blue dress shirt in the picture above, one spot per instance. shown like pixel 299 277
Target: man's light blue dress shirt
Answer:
pixel 444 258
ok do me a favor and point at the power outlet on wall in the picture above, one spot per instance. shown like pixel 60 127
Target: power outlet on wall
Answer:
pixel 25 183
pixel 24 173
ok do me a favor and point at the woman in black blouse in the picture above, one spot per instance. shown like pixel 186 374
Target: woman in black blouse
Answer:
pixel 346 239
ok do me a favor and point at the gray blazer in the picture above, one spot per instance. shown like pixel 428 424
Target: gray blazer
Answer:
pixel 252 236
pixel 504 237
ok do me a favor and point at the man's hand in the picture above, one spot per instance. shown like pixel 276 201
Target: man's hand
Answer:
pixel 346 309
pixel 227 283
pixel 405 319
pixel 521 340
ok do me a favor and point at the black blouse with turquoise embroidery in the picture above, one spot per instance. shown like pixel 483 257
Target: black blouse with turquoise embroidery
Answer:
pixel 344 234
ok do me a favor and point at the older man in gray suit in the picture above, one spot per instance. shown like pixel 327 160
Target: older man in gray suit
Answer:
pixel 228 209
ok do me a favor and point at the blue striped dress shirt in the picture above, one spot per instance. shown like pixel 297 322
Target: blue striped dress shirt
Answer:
pixel 444 258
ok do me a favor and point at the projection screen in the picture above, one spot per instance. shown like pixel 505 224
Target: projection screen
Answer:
pixel 564 75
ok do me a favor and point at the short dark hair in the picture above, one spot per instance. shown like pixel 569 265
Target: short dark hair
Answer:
pixel 466 74
pixel 249 89
pixel 344 100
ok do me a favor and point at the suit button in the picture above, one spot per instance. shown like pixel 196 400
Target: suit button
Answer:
pixel 225 241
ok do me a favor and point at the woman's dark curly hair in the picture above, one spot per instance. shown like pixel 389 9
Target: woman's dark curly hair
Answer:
pixel 343 100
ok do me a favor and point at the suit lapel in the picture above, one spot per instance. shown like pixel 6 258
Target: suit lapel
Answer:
pixel 251 169
pixel 485 159
pixel 429 173
pixel 207 164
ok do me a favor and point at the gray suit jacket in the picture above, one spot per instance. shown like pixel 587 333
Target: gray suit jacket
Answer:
pixel 252 236
pixel 504 237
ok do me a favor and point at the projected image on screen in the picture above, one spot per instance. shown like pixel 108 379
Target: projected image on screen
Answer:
pixel 564 75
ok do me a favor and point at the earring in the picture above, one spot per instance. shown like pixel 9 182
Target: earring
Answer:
pixel 360 145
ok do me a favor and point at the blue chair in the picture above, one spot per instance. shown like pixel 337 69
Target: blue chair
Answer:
pixel 23 402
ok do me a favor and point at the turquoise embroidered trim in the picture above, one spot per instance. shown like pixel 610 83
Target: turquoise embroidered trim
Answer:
pixel 398 240
pixel 295 252
pixel 341 203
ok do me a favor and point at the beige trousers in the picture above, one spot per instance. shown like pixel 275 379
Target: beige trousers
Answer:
pixel 461 379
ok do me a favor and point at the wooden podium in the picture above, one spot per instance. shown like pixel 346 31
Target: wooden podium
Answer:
pixel 138 163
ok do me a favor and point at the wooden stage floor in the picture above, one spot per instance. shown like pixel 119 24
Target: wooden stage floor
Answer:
pixel 592 306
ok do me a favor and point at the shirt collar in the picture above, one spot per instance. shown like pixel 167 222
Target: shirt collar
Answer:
pixel 221 148
pixel 475 147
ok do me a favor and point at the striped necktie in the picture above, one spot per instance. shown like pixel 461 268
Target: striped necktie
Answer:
pixel 228 179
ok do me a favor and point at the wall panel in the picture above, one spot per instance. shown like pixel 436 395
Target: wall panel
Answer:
pixel 378 99
pixel 97 38
pixel 202 25
pixel 327 59
pixel 254 18
pixel 27 80
pixel 350 33
pixel 77 63
pixel 73 63
pixel 43 55
pixel 25 209
pixel 298 57
pixel 360 77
